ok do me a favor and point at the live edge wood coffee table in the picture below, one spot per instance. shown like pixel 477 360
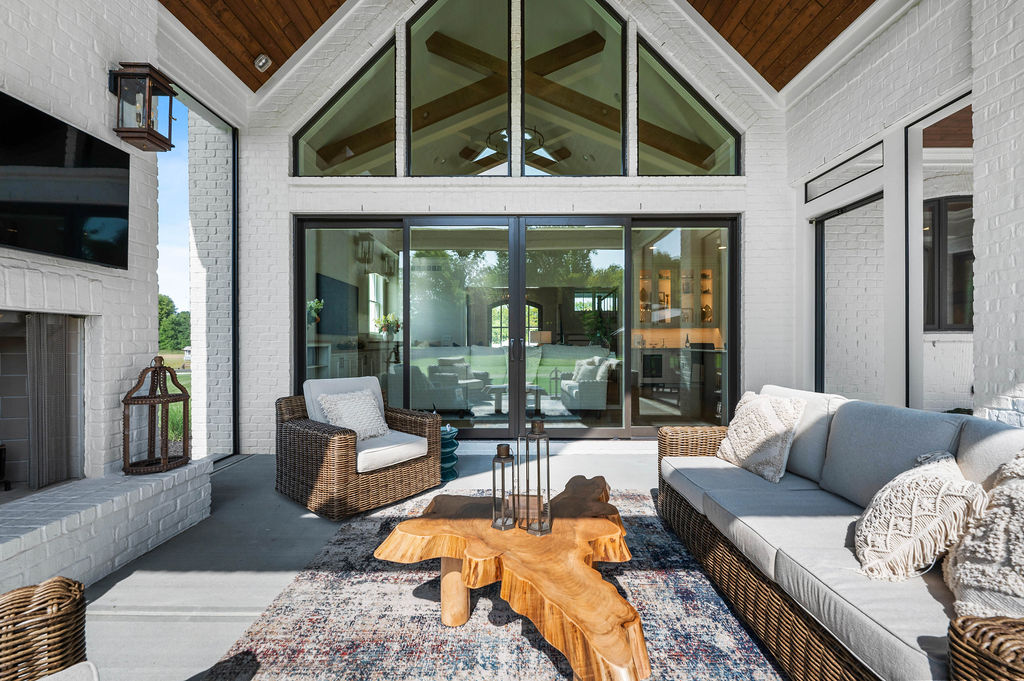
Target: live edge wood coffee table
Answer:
pixel 548 579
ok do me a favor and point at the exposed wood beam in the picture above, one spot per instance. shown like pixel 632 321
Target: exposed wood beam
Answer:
pixel 584 106
pixel 495 83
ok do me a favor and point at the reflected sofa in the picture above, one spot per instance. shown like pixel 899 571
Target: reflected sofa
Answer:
pixel 782 553
pixel 591 394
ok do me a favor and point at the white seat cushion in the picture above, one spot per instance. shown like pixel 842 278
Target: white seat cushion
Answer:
pixel 691 476
pixel 897 629
pixel 387 450
pixel 762 523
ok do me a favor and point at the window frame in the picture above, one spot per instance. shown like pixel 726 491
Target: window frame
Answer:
pixel 624 129
pixel 408 97
pixel 940 223
pixel 642 44
pixel 337 97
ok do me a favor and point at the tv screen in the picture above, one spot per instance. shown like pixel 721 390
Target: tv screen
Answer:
pixel 62 191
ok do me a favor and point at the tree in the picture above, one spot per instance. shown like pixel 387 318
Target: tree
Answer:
pixel 176 331
pixel 165 308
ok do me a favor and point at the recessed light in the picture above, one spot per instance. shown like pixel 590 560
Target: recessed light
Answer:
pixel 262 62
pixel 722 248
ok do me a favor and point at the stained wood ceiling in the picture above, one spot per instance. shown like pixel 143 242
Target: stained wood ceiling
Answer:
pixel 238 31
pixel 954 131
pixel 778 37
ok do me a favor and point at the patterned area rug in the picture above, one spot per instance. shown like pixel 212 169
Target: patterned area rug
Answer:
pixel 350 616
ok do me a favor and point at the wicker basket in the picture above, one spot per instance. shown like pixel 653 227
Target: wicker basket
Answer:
pixel 42 629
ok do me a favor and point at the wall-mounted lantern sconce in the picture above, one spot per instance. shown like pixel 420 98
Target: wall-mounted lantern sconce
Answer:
pixel 364 248
pixel 144 100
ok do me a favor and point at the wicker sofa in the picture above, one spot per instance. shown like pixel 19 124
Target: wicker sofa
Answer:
pixel 782 554
pixel 325 468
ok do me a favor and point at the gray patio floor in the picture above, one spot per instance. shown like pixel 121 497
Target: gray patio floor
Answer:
pixel 172 613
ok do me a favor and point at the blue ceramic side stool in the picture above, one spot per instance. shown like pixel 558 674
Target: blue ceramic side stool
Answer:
pixel 448 457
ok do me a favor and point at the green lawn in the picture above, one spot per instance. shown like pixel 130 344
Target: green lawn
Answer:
pixel 173 359
pixel 175 422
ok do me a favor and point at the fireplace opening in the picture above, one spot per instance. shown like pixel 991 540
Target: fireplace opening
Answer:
pixel 41 400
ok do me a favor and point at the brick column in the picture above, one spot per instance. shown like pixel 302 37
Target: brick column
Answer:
pixel 209 198
pixel 998 29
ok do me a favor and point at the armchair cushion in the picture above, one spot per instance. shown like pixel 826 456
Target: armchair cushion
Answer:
pixel 314 388
pixel 387 450
pixel 357 411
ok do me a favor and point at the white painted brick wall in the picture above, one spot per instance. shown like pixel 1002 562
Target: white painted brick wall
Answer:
pixel 854 294
pixel 997 51
pixel 948 371
pixel 55 56
pixel 210 198
pixel 269 197
pixel 922 57
pixel 88 528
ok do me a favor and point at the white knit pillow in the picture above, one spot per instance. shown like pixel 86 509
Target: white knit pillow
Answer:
pixel 357 410
pixel 919 514
pixel 761 434
pixel 985 570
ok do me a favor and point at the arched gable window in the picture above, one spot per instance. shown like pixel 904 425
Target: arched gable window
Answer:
pixel 574 100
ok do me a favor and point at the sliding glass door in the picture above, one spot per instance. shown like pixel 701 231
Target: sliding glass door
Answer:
pixel 599 327
pixel 680 323
pixel 573 371
pixel 460 324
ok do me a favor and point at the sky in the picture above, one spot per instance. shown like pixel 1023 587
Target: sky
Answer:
pixel 172 171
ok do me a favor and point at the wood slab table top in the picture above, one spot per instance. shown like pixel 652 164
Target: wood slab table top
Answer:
pixel 548 579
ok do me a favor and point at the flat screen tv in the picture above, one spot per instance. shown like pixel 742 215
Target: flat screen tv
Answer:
pixel 62 191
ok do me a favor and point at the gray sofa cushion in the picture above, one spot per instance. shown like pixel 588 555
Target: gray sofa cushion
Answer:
pixel 870 444
pixel 760 524
pixel 897 629
pixel 986 445
pixel 807 454
pixel 691 476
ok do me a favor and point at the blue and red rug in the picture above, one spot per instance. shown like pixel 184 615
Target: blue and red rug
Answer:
pixel 350 616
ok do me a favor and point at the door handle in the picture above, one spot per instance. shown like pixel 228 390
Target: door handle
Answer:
pixel 522 349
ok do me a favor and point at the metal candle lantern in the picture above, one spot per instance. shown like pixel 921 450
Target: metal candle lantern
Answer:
pixel 158 396
pixel 502 513
pixel 537 501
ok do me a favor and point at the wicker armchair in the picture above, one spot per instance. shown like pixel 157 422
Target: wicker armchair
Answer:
pixel 42 629
pixel 316 462
pixel 979 649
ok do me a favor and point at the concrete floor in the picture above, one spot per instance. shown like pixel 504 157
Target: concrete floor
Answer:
pixel 172 613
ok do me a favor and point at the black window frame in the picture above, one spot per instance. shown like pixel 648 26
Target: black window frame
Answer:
pixel 737 165
pixel 337 97
pixel 940 227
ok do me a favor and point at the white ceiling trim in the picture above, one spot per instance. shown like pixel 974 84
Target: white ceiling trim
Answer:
pixel 712 35
pixel 872 22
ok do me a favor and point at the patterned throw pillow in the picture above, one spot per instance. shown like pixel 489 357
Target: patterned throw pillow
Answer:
pixel 985 570
pixel 915 518
pixel 761 433
pixel 357 410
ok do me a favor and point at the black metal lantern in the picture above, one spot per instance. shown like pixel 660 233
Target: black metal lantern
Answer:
pixel 145 98
pixel 537 499
pixel 502 512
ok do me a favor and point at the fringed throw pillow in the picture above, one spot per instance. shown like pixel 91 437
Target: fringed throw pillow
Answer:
pixel 915 518
pixel 357 410
pixel 761 433
pixel 985 570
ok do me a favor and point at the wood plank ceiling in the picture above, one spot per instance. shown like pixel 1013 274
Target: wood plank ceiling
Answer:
pixel 955 130
pixel 238 31
pixel 780 37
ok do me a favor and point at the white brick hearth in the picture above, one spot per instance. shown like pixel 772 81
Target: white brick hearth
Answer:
pixel 86 529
